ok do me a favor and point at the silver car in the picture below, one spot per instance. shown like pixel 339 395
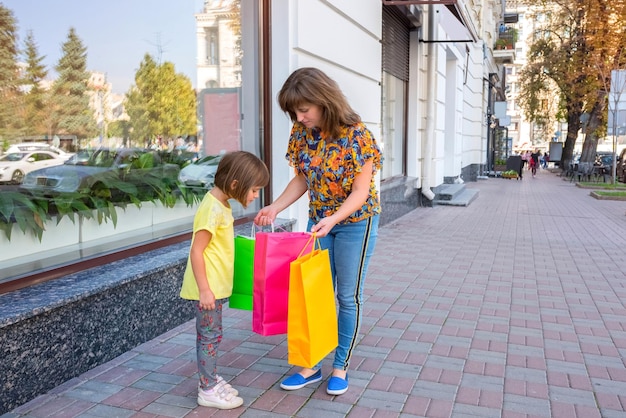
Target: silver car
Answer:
pixel 103 168
pixel 201 173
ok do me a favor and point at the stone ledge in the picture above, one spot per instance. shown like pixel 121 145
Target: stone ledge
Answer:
pixel 57 330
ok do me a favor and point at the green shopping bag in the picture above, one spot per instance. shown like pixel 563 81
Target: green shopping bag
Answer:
pixel 243 278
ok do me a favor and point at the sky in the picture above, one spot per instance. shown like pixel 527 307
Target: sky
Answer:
pixel 117 33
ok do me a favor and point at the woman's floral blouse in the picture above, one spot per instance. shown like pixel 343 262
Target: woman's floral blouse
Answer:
pixel 330 168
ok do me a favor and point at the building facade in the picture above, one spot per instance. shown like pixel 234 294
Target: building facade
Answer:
pixel 422 75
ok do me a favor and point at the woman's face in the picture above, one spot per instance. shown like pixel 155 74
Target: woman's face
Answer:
pixel 309 115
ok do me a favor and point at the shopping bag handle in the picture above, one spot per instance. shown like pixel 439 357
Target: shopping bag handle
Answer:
pixel 316 244
pixel 257 228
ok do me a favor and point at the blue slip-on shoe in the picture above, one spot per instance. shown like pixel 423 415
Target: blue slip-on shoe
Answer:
pixel 297 381
pixel 337 385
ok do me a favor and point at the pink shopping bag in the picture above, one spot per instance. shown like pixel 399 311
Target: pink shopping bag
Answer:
pixel 273 253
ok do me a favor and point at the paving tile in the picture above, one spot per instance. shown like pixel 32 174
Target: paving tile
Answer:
pixel 496 309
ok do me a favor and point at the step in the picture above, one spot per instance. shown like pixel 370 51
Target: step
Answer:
pixel 464 198
pixel 449 191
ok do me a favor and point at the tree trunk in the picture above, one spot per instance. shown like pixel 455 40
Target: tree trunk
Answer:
pixel 573 125
pixel 590 144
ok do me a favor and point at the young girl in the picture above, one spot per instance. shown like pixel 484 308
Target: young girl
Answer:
pixel 208 279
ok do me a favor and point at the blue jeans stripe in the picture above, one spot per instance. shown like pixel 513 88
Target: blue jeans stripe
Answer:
pixel 358 302
pixel 350 247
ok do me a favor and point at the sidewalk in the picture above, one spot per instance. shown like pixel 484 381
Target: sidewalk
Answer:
pixel 514 306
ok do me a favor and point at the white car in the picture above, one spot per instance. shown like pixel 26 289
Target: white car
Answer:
pixel 38 146
pixel 14 165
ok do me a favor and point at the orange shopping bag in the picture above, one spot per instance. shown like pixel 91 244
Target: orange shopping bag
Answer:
pixel 312 315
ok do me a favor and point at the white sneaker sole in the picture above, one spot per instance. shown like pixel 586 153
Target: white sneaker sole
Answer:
pixel 235 403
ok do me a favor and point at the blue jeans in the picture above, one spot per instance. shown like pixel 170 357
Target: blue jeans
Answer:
pixel 350 247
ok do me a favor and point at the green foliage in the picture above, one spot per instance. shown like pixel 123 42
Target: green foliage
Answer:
pixel 18 209
pixel 605 186
pixel 9 83
pixel 30 212
pixel 35 112
pixel 612 193
pixel 70 105
pixel 570 56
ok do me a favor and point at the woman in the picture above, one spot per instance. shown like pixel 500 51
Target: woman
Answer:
pixel 335 158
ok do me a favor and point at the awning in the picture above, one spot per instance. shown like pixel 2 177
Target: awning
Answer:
pixel 458 10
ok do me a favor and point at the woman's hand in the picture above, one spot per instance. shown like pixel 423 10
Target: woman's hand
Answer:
pixel 266 216
pixel 323 227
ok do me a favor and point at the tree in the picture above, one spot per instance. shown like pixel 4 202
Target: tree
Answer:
pixel 564 51
pixel 120 129
pixel 161 103
pixel 35 112
pixel 70 100
pixel 138 101
pixel 9 73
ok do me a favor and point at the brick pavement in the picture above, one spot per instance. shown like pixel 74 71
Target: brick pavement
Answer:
pixel 512 307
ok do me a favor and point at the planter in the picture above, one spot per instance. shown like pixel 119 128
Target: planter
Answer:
pixel 66 233
pixel 510 176
pixel 26 244
pixel 607 196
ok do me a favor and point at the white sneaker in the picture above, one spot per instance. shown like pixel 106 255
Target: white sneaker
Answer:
pixel 223 383
pixel 218 397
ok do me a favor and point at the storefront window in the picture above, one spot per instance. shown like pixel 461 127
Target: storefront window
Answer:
pixel 223 115
pixel 393 108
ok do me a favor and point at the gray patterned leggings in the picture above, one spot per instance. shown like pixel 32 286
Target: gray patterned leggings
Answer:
pixel 209 336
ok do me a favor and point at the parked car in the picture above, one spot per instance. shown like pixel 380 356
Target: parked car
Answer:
pixel 15 165
pixel 201 173
pixel 38 146
pixel 604 158
pixel 102 172
pixel 80 157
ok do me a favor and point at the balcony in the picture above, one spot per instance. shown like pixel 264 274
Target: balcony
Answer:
pixel 504 47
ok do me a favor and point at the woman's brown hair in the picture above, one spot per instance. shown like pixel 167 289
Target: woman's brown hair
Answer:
pixel 312 86
pixel 240 171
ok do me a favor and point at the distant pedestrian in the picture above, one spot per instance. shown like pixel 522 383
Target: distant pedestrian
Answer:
pixel 533 161
pixel 208 279
pixel 546 160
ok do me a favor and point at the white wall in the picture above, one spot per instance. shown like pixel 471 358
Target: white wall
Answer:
pixel 348 49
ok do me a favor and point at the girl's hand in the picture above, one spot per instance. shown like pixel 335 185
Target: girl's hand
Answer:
pixel 207 300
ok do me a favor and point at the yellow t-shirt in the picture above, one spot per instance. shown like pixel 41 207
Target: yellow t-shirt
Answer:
pixel 219 255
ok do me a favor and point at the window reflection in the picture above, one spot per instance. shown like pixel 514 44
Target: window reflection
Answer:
pixel 229 90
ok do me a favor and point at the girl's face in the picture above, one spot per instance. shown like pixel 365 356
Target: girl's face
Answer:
pixel 309 115
pixel 253 194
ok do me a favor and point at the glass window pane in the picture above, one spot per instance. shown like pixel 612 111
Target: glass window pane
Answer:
pixel 393 92
pixel 228 100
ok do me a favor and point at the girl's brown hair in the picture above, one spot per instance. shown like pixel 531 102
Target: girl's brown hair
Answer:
pixel 240 171
pixel 312 86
